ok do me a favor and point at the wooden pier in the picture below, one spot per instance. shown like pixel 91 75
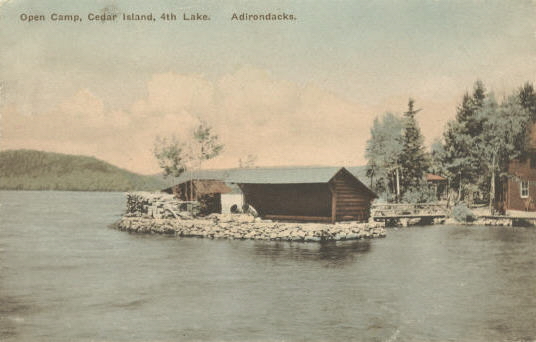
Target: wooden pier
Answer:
pixel 395 213
pixel 510 220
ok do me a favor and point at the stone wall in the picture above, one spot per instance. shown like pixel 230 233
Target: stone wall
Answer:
pixel 239 226
pixel 162 213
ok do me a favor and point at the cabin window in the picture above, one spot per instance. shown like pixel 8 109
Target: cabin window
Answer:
pixel 524 189
pixel 533 160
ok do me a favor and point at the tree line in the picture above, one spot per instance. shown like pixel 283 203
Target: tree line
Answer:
pixel 473 153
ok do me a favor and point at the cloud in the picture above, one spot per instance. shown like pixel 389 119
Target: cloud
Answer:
pixel 252 111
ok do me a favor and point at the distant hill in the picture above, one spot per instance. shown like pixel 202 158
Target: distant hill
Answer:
pixel 37 170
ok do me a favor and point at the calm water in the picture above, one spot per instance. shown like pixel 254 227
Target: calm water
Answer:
pixel 66 276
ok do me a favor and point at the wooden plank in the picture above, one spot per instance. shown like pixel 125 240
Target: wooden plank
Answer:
pixel 405 216
pixel 299 218
pixel 333 204
pixel 349 197
pixel 352 212
pixel 352 205
pixel 354 202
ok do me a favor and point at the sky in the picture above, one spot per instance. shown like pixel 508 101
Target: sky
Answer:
pixel 296 92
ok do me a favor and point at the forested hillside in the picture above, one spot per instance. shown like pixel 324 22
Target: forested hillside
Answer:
pixel 37 170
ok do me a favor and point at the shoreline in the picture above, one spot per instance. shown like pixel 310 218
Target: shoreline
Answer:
pixel 246 227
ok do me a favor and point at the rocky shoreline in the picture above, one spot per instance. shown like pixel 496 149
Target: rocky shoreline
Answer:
pixel 240 226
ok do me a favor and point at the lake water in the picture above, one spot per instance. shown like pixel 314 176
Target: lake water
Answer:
pixel 66 276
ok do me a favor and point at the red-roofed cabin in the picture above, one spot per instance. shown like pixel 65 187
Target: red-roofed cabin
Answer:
pixel 207 191
pixel 438 184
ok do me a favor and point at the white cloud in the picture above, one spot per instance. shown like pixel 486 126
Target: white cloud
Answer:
pixel 254 113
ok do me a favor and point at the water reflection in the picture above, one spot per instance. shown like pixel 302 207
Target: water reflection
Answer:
pixel 331 253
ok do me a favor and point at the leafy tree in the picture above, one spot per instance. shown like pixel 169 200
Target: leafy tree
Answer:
pixel 171 155
pixel 437 156
pixel 175 157
pixel 461 160
pixel 383 153
pixel 414 160
pixel 206 144
pixel 503 139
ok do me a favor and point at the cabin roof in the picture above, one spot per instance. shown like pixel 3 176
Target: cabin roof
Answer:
pixel 305 175
pixel 271 175
pixel 432 177
pixel 207 186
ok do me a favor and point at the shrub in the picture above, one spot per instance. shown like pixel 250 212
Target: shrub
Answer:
pixel 461 213
pixel 419 194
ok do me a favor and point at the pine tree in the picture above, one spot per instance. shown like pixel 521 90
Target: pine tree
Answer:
pixel 414 161
pixel 461 158
pixel 527 99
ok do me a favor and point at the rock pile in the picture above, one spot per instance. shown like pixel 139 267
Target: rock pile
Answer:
pixel 158 206
pixel 482 221
pixel 236 226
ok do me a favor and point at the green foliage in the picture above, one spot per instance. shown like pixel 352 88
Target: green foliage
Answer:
pixel 504 134
pixel 37 170
pixel 176 157
pixel 396 155
pixel 414 160
pixel 207 142
pixel 383 153
pixel 527 99
pixel 171 156
pixel 418 194
pixel 437 155
pixel 484 138
pixel 461 159
pixel 461 213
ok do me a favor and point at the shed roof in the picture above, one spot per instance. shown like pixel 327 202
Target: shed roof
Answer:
pixel 281 175
pixel 294 175
pixel 207 186
pixel 432 177
pixel 273 175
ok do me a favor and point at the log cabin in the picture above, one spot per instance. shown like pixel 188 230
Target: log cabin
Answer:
pixel 323 194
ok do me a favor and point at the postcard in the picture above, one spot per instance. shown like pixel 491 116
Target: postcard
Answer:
pixel 297 170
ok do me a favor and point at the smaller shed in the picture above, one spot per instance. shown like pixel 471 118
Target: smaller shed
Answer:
pixel 323 194
pixel 207 191
pixel 437 184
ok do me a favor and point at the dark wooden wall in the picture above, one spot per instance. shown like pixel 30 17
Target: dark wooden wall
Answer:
pixel 352 199
pixel 344 198
pixel 521 170
pixel 289 199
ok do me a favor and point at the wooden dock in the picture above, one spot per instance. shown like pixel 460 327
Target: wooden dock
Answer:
pixel 396 213
pixel 506 220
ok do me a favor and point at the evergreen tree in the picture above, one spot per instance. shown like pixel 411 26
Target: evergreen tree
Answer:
pixel 462 160
pixel 414 161
pixel 437 155
pixel 527 99
pixel 502 140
